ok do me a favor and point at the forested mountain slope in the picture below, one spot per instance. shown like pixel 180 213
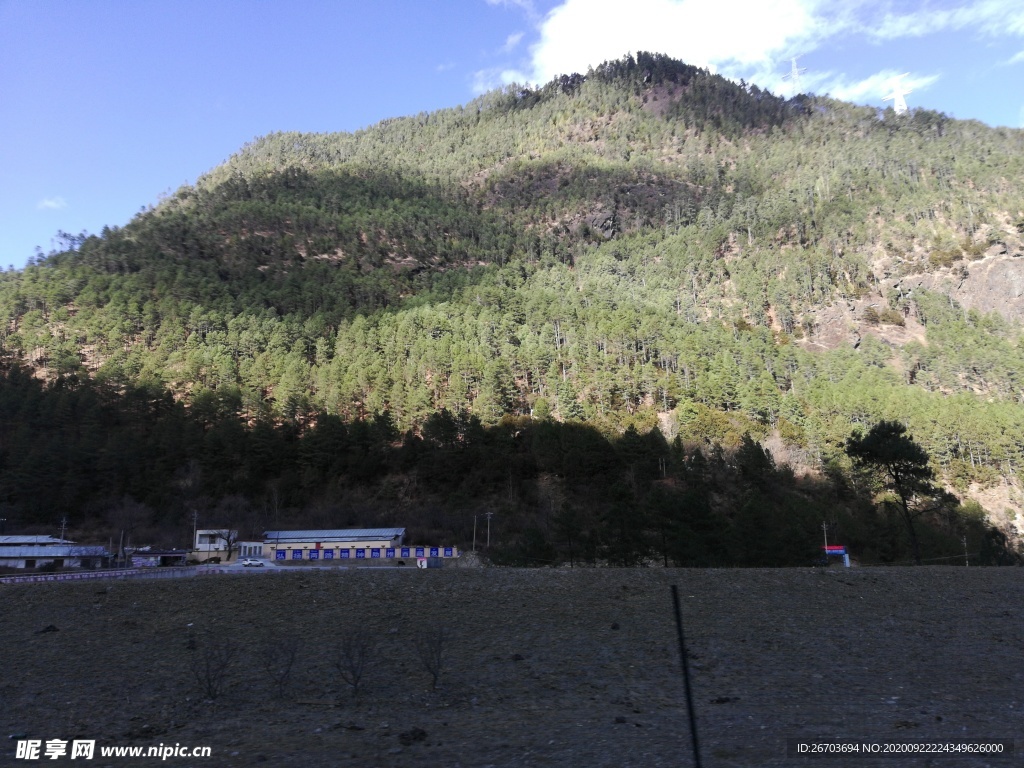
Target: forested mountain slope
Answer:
pixel 644 246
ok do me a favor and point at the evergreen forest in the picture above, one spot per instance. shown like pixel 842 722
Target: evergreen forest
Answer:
pixel 638 316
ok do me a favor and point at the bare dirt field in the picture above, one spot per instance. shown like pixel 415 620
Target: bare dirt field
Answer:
pixel 545 667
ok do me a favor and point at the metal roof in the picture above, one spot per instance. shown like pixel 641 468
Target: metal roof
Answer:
pixel 153 551
pixel 52 551
pixel 342 534
pixel 24 540
pixel 159 552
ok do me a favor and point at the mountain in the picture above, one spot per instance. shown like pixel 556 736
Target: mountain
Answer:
pixel 642 253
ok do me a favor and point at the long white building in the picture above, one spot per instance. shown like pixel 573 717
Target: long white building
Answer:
pixel 30 552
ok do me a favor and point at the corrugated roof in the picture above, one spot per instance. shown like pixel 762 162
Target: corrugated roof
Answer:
pixel 52 551
pixel 25 540
pixel 341 534
pixel 154 551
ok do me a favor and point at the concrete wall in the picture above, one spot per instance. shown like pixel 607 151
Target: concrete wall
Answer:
pixel 39 562
pixel 128 573
pixel 251 549
pixel 202 556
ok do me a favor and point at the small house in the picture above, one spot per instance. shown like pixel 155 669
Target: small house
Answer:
pixel 218 545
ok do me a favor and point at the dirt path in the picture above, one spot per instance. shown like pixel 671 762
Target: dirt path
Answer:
pixel 547 668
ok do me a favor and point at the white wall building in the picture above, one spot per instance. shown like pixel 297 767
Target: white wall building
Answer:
pixel 348 545
pixel 211 543
pixel 42 551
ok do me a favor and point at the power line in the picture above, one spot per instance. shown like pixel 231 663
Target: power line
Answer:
pixel 963 557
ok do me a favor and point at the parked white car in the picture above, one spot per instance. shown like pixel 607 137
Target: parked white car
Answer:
pixel 251 562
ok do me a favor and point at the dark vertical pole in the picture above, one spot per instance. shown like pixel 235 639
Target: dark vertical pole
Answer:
pixel 686 678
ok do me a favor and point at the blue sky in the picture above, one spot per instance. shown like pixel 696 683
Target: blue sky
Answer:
pixel 107 104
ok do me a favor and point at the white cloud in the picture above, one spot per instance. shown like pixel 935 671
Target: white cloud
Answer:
pixel 739 38
pixel 511 42
pixel 488 79
pixel 892 26
pixel 876 87
pixel 749 39
pixel 51 204
pixel 526 6
pixel 444 67
pixel 582 33
pixel 995 18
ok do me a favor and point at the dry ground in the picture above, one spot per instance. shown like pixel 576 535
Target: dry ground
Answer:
pixel 547 667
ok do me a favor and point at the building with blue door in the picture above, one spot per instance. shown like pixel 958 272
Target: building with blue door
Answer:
pixel 353 545
pixel 338 544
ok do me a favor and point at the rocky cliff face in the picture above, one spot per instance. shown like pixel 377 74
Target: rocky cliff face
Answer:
pixel 995 283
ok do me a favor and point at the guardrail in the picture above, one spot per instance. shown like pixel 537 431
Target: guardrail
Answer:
pixel 178 572
pixel 118 573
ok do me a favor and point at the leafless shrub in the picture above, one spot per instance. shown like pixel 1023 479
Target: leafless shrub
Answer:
pixel 278 659
pixel 433 643
pixel 212 662
pixel 355 653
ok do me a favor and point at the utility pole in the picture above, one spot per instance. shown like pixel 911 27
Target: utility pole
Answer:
pixel 195 524
pixel 899 94
pixel 489 529
pixel 824 530
pixel 794 75
pixel 63 526
pixel 966 561
pixel 474 533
